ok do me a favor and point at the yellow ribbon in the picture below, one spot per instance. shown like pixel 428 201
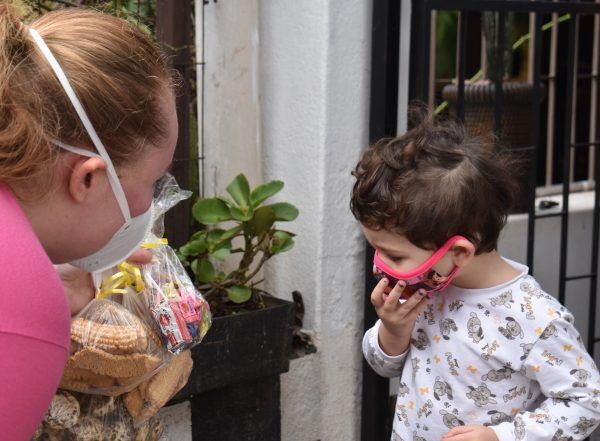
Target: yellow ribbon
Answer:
pixel 149 245
pixel 128 275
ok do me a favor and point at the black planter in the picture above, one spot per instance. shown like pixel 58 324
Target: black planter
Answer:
pixel 234 386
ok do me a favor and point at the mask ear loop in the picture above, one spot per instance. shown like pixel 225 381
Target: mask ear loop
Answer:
pixel 62 78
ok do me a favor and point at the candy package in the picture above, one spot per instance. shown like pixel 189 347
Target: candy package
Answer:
pixel 180 313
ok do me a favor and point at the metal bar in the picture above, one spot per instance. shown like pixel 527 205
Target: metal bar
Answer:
pixel 582 276
pixel 586 76
pixel 554 214
pixel 425 45
pixel 536 59
pixel 564 230
pixel 432 59
pixel 405 29
pixel 593 94
pixel 461 63
pixel 551 101
pixel 574 99
pixel 384 118
pixel 539 6
pixel 174 29
pixel 596 222
pixel 531 46
pixel 499 74
pixel 200 66
pixel 582 145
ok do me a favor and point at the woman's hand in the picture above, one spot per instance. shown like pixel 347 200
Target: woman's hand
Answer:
pixel 397 319
pixel 470 433
pixel 78 284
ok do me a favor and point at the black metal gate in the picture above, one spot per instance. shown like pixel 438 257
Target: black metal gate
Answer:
pixel 572 166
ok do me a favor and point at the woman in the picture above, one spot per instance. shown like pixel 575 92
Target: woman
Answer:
pixel 80 91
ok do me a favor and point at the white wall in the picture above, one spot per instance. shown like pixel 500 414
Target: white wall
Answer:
pixel 314 89
pixel 286 97
pixel 513 244
pixel 231 103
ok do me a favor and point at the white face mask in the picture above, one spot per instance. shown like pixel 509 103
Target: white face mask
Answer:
pixel 134 230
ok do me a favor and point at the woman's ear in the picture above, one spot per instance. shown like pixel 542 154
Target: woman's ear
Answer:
pixel 82 176
pixel 462 252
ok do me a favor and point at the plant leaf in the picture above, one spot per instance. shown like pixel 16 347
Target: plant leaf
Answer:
pixel 210 211
pixel 239 294
pixel 231 232
pixel 214 237
pixel 284 211
pixel 222 252
pixel 206 271
pixel 241 214
pixel 265 191
pixel 194 247
pixel 261 222
pixel 181 258
pixel 194 266
pixel 198 234
pixel 281 242
pixel 239 189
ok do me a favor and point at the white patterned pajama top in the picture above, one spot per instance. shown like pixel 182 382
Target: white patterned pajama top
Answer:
pixel 507 357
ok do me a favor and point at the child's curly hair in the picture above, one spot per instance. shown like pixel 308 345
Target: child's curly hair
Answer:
pixel 435 182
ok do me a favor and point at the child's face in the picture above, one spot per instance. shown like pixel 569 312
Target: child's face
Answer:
pixel 398 253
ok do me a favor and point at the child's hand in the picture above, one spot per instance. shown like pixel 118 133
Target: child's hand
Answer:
pixel 468 433
pixel 397 319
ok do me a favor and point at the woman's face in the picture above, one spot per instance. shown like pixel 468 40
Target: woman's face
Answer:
pixel 140 177
pixel 94 222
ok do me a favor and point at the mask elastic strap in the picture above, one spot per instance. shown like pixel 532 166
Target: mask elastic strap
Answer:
pixel 112 173
pixel 76 150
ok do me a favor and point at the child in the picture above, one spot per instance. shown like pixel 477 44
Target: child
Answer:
pixel 483 353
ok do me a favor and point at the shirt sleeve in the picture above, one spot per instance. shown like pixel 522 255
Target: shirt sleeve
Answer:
pixel 30 370
pixel 569 381
pixel 382 363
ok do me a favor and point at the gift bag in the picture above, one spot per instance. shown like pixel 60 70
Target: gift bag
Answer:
pixel 140 319
pixel 80 417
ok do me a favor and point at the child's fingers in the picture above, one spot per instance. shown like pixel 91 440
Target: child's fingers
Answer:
pixel 417 309
pixel 393 299
pixel 454 432
pixel 377 298
pixel 413 301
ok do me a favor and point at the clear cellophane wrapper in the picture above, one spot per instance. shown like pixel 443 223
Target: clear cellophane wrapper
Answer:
pixel 129 345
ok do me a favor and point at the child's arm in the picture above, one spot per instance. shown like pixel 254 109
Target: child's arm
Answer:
pixel 569 379
pixel 386 344
pixel 382 363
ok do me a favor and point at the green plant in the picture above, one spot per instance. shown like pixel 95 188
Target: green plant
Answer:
pixel 251 235
pixel 141 13
pixel 492 32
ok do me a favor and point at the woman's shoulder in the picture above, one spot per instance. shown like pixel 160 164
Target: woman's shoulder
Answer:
pixel 32 298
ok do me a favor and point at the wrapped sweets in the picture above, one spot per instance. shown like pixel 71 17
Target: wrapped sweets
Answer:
pixel 183 319
pixel 80 417
pixel 150 396
pixel 179 311
pixel 113 348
